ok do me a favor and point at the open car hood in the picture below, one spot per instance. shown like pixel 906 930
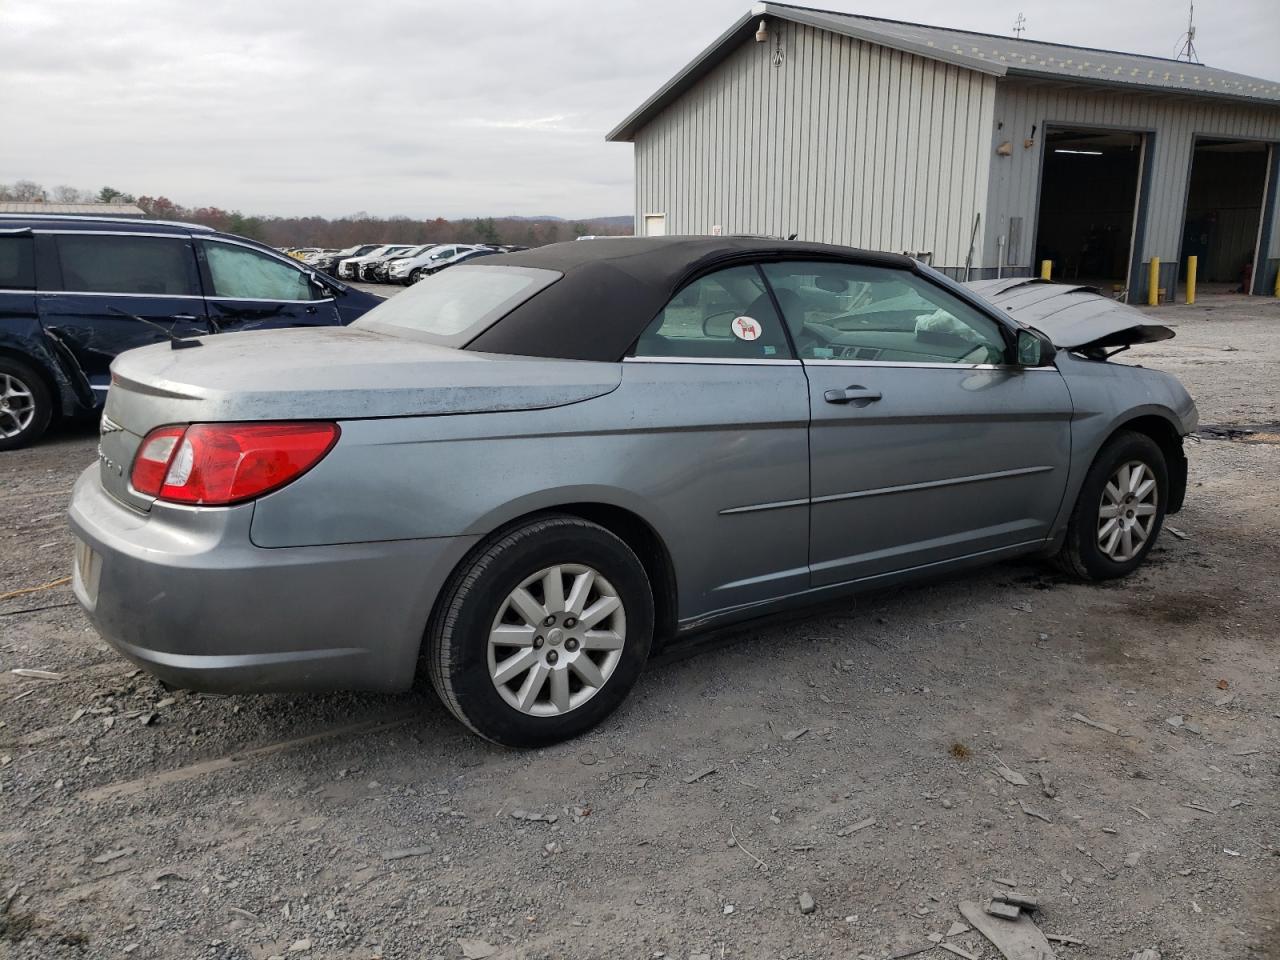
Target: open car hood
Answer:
pixel 1073 317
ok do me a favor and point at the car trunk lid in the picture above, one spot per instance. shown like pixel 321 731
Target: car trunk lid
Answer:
pixel 320 374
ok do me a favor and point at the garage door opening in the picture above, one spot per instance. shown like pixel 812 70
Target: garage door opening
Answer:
pixel 1088 197
pixel 1224 212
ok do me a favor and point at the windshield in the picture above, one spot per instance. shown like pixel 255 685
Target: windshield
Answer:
pixel 454 306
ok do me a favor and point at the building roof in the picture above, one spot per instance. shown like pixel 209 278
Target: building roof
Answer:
pixel 43 208
pixel 983 52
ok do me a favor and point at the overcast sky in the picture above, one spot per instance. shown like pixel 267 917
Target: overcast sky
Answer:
pixel 450 109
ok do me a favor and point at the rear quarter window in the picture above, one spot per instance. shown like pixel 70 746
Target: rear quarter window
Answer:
pixel 17 263
pixel 456 305
pixel 118 263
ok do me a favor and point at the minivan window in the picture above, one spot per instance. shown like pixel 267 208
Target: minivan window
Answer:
pixel 244 274
pixel 17 263
pixel 455 306
pixel 117 263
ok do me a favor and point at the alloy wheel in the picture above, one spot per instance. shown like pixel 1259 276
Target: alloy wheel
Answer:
pixel 17 406
pixel 1127 511
pixel 556 640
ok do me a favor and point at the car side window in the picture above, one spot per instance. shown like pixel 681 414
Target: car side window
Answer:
pixel 725 315
pixel 17 263
pixel 116 263
pixel 844 311
pixel 251 275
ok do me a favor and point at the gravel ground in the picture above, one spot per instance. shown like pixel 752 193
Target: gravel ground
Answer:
pixel 144 822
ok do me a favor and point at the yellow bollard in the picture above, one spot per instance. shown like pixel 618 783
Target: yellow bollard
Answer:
pixel 1153 283
pixel 1046 269
pixel 1277 290
pixel 1192 263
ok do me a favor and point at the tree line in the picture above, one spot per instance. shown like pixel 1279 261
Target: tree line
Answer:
pixel 336 233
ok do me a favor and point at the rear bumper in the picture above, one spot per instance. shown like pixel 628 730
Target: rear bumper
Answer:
pixel 183 593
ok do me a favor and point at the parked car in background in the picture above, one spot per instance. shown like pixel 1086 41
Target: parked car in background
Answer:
pixel 329 260
pixel 411 269
pixel 519 475
pixel 375 270
pixel 77 291
pixel 349 267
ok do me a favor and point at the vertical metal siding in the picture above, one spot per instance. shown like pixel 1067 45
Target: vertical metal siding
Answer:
pixel 845 142
pixel 1014 182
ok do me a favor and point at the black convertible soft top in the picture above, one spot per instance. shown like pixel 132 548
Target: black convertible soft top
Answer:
pixel 613 288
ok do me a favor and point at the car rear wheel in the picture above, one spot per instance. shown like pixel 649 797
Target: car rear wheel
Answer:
pixel 1120 509
pixel 542 632
pixel 25 404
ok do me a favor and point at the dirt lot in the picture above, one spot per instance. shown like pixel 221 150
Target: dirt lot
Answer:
pixel 143 822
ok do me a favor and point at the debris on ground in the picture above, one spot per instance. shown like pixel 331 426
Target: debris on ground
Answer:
pixel 1018 939
pixel 406 853
pixel 36 674
pixel 113 855
pixel 1097 724
pixel 957 928
pixel 1023 900
pixel 1180 534
pixel 1033 813
pixel 1147 954
pixel 60 582
pixel 1009 774
pixel 532 817
pixel 699 774
pixel 1005 911
pixel 807 903
pixel 795 734
pixel 952 948
pixel 854 828
pixel 476 949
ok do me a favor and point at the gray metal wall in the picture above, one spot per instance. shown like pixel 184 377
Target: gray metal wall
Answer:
pixel 844 142
pixel 1014 186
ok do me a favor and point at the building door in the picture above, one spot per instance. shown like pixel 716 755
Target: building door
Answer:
pixel 1088 204
pixel 1224 211
pixel 655 224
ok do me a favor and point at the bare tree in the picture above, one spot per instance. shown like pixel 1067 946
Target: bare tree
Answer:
pixel 66 194
pixel 26 190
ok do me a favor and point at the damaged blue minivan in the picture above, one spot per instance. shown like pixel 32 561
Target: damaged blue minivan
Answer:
pixel 77 291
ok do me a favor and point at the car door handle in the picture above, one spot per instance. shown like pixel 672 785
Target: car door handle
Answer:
pixel 182 316
pixel 856 394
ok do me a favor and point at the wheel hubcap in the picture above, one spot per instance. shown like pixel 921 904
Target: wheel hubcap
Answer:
pixel 17 406
pixel 556 640
pixel 1127 511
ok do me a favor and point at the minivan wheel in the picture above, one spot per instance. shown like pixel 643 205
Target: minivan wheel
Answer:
pixel 25 405
pixel 542 632
pixel 1120 509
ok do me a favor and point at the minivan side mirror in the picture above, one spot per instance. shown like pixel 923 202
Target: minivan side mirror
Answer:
pixel 1034 348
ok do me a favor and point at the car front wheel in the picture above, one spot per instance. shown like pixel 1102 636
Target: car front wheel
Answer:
pixel 1120 509
pixel 25 405
pixel 542 632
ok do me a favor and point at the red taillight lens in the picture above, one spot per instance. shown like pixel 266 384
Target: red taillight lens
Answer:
pixel 220 463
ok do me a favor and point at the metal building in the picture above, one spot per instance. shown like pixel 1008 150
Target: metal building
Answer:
pixel 987 154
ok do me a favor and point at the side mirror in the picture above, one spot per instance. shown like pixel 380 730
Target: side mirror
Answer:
pixel 1034 349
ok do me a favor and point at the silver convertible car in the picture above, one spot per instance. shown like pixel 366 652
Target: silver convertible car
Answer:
pixel 525 472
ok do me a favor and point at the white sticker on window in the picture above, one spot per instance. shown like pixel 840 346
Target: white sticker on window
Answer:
pixel 746 328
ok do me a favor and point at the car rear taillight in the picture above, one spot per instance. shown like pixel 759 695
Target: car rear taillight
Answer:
pixel 215 464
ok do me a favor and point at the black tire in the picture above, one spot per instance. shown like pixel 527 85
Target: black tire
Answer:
pixel 29 422
pixel 457 646
pixel 1081 555
pixel 417 275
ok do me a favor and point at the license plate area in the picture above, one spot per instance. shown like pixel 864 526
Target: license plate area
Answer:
pixel 88 570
